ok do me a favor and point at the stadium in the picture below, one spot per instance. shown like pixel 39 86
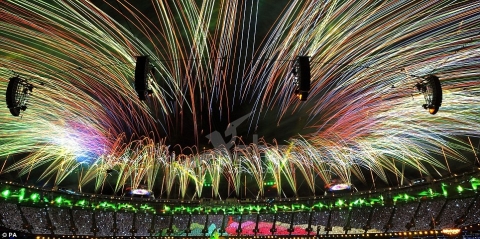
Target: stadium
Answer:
pixel 245 119
pixel 444 209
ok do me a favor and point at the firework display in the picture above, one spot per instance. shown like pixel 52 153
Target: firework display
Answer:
pixel 210 61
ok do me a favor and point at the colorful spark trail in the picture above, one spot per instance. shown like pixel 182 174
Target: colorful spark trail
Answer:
pixel 220 60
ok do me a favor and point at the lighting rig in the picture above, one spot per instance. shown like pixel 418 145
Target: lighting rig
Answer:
pixel 301 73
pixel 142 69
pixel 18 92
pixel 431 89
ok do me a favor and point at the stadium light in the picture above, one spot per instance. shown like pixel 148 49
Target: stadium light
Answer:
pixel 81 203
pixel 6 193
pixel 35 197
pixel 475 182
pixel 59 200
pixel 431 88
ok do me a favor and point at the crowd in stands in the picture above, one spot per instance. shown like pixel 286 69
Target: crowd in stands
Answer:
pixel 380 217
pixel 180 224
pixel 162 223
pixel 143 223
pixel 404 212
pixel 248 224
pixel 37 218
pixel 216 221
pixel 85 222
pixel 60 219
pixel 320 220
pixel 300 222
pixel 104 222
pixel 426 214
pixel 338 220
pixel 393 218
pixel 197 225
pixel 473 216
pixel 454 209
pixel 358 219
pixel 124 223
pixel 283 220
pixel 267 220
pixel 11 216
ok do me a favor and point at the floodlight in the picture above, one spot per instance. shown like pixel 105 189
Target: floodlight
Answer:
pixel 17 95
pixel 432 91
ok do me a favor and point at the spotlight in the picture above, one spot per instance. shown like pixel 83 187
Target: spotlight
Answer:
pixel 431 88
pixel 18 91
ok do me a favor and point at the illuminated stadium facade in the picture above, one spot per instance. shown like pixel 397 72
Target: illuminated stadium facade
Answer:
pixel 239 118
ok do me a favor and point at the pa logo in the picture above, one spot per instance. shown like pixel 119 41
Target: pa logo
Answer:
pixel 9 235
pixel 216 137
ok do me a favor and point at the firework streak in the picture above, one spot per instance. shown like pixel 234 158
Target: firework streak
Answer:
pixel 364 113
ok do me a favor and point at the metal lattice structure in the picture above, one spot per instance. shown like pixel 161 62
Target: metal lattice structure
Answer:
pixel 18 91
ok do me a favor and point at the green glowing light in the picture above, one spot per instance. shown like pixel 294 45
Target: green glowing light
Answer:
pixel 35 197
pixel 6 193
pixel 146 207
pixel 59 200
pixel 21 195
pixel 125 206
pixel 475 183
pixel 81 203
pixel 444 189
pixel 459 189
